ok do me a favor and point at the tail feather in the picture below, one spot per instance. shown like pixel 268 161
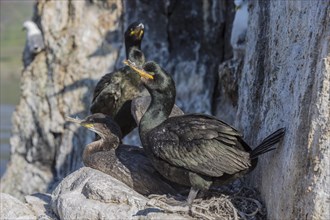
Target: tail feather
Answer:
pixel 267 143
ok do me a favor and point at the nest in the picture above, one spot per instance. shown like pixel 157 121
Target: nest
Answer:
pixel 243 204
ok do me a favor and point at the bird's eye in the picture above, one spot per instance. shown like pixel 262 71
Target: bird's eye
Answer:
pixel 132 32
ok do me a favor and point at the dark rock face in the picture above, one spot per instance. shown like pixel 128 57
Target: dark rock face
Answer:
pixel 190 40
pixel 286 83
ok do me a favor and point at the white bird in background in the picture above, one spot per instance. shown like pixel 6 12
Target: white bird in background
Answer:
pixel 34 40
pixel 239 29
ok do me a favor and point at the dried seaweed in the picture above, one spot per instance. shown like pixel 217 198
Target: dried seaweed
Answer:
pixel 242 204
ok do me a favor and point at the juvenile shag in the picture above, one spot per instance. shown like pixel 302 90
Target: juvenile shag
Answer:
pixel 195 150
pixel 114 92
pixel 123 162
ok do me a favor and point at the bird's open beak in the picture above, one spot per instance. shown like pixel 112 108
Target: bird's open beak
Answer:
pixel 80 122
pixel 138 31
pixel 139 70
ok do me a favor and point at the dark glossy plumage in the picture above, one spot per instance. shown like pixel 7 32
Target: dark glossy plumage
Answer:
pixel 126 163
pixel 114 92
pixel 201 144
pixel 197 150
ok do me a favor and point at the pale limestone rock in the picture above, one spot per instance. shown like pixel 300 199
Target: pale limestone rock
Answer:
pixel 12 208
pixel 91 194
pixel 40 204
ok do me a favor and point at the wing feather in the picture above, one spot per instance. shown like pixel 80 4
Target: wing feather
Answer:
pixel 106 92
pixel 199 143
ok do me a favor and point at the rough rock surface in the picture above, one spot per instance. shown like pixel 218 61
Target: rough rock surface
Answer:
pixel 12 208
pixel 40 204
pixel 91 194
pixel 286 83
pixel 84 194
pixel 225 102
pixel 36 206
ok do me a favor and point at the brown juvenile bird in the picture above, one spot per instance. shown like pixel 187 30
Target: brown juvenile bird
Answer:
pixel 126 163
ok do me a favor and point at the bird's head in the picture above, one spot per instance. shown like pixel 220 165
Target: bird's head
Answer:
pixel 101 124
pixel 134 34
pixel 31 28
pixel 26 25
pixel 154 77
pixel 29 25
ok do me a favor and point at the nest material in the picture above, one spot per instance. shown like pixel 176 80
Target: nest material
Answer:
pixel 243 204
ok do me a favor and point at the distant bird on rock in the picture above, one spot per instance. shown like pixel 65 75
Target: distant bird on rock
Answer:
pixel 34 40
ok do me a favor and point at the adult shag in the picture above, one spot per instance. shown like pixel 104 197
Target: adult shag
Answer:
pixel 195 150
pixel 126 163
pixel 114 92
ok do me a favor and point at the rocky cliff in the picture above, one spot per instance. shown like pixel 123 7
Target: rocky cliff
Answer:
pixel 282 82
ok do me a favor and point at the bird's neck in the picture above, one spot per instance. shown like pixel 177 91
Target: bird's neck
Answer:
pixel 158 111
pixel 130 46
pixel 103 144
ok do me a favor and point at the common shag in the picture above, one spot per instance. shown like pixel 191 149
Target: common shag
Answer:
pixel 195 150
pixel 123 162
pixel 114 92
